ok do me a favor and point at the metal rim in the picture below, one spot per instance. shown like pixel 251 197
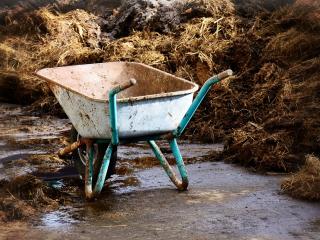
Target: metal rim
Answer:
pixel 193 86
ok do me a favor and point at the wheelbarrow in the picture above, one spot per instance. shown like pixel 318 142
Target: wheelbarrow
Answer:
pixel 121 102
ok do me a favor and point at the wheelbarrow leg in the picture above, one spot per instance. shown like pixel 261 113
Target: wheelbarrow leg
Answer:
pixel 102 173
pixel 89 171
pixel 183 183
pixel 111 147
pixel 104 169
pixel 180 184
pixel 198 99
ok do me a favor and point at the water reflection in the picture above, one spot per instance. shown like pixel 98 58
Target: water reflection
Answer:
pixel 60 219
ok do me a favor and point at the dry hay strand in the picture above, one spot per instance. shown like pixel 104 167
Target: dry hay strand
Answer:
pixel 215 16
pixel 187 72
pixel 71 38
pixel 214 7
pixel 201 40
pixel 204 40
pixel 17 67
pixel 51 39
pixel 12 209
pixel 145 47
pixel 32 190
pixel 292 46
pixel 56 39
pixel 23 196
pixel 305 184
pixel 254 146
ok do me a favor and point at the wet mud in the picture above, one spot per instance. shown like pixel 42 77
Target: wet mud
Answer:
pixel 223 201
pixel 28 140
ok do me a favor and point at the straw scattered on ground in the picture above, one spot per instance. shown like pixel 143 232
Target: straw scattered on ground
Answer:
pixel 21 196
pixel 27 196
pixel 305 184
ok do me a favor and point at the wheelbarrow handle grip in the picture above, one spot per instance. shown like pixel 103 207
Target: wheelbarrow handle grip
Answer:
pixel 127 84
pixel 224 74
pixel 121 87
pixel 70 148
pixel 198 99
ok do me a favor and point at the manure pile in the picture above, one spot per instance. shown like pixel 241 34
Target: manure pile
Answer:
pixel 268 114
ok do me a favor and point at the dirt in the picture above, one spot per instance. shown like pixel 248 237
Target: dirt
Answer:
pixel 267 115
pixel 240 206
pixel 23 134
pixel 42 196
pixel 28 146
pixel 163 16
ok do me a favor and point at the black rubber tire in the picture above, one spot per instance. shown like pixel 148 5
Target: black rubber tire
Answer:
pixel 80 166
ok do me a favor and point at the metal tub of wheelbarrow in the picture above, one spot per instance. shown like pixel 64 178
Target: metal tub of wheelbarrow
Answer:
pixel 115 102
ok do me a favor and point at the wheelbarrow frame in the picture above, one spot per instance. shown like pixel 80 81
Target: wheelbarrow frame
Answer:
pixel 181 184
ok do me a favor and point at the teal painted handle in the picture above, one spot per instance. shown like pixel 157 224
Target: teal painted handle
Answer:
pixel 198 99
pixel 113 108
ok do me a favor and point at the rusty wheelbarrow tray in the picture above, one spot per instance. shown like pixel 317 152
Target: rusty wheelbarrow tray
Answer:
pixel 117 102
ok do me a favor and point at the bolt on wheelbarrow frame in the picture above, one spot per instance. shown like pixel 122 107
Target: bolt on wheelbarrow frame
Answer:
pixel 115 141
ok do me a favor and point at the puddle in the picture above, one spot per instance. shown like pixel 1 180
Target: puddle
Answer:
pixel 23 135
pixel 188 150
pixel 62 173
pixel 223 201
pixel 60 220
pixel 8 156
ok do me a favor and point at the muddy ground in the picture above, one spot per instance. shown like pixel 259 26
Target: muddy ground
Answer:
pixel 41 195
pixel 223 202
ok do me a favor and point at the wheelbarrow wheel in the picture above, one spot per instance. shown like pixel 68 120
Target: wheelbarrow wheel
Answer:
pixel 79 157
